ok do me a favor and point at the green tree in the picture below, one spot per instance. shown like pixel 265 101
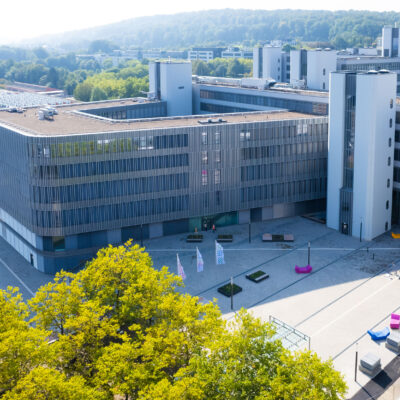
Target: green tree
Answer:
pixel 83 91
pixel 22 347
pixel 44 383
pixel 41 53
pixel 200 68
pixel 98 94
pixel 101 46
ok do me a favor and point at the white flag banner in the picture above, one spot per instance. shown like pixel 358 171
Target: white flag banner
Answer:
pixel 219 254
pixel 200 263
pixel 181 272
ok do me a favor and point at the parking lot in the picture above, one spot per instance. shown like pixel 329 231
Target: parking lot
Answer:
pixel 353 287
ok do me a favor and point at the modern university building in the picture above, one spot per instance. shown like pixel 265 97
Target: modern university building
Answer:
pixel 101 173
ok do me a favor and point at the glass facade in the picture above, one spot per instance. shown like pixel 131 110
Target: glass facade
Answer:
pixel 259 100
pixel 77 192
pixel 346 193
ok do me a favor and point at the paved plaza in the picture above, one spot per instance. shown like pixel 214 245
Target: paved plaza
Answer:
pixel 354 285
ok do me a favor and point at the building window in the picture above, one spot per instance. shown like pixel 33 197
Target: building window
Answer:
pixel 390 142
pixel 217 197
pixel 323 86
pixel 323 72
pixel 58 243
pixel 217 138
pixel 389 161
pixel 204 177
pixel 390 122
pixel 204 138
pixel 217 176
pixel 387 205
pixel 386 226
pixel 204 158
pixel 391 103
pixel 388 183
pixel 217 157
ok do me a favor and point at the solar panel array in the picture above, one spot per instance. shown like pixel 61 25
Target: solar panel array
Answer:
pixel 24 99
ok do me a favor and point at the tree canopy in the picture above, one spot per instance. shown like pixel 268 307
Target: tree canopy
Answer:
pixel 121 327
pixel 234 27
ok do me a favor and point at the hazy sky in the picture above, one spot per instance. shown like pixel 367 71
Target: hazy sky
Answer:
pixel 28 18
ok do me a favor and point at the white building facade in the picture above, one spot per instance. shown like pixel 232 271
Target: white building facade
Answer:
pixel 203 55
pixel 320 63
pixel 390 41
pixel 361 152
pixel 172 82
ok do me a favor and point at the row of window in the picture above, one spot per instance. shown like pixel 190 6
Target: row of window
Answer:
pixel 284 132
pixel 110 189
pixel 283 190
pixel 205 156
pixel 216 138
pixel 251 153
pixel 133 111
pixel 221 109
pixel 110 167
pixel 204 177
pixel 111 212
pixel 293 105
pixel 104 146
pixel 391 66
pixel 281 170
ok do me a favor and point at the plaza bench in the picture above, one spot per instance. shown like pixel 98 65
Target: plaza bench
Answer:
pixel 268 237
pixel 379 335
pixel 393 342
pixel 224 238
pixel 370 364
pixel 395 321
pixel 194 238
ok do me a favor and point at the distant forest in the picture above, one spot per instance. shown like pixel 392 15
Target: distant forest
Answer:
pixel 340 29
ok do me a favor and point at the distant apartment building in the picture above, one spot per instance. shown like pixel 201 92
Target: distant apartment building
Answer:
pixel 390 41
pixel 234 52
pixel 311 68
pixel 270 62
pixel 205 53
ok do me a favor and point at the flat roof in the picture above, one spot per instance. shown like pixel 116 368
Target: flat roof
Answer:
pixel 69 121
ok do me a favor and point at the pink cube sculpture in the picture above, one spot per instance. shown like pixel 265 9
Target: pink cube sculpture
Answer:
pixel 395 321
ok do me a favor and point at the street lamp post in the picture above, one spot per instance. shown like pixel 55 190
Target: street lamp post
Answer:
pixel 355 366
pixel 231 292
pixel 309 253
pixel 249 232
